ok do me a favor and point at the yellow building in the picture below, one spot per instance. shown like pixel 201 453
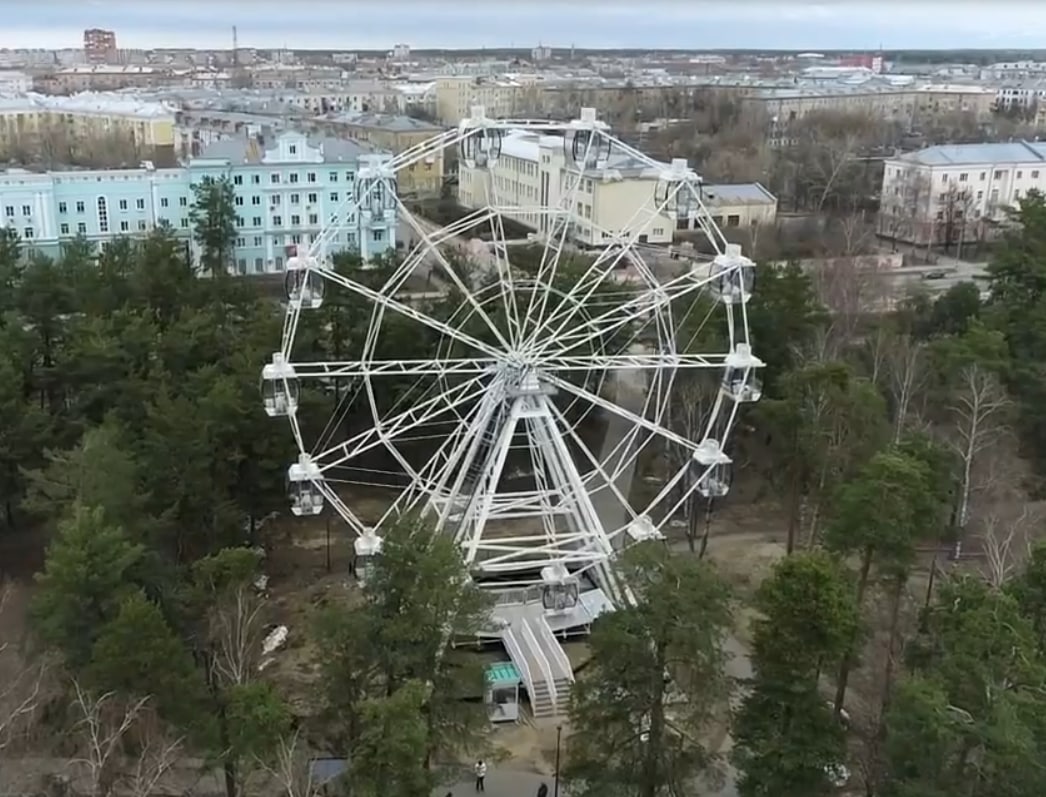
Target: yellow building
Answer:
pixel 396 134
pixel 35 123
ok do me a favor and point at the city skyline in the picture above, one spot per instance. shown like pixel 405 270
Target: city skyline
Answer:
pixel 326 24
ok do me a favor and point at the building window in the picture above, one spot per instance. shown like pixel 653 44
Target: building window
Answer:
pixel 256 221
pixel 164 202
pixel 314 219
pixel 185 224
pixel 257 240
pixel 294 177
pixel 295 220
pixel 80 207
pixel 10 211
pixel 237 179
pixel 733 221
pixel 183 201
pixel 1035 174
pixel 998 174
pixel 27 210
pixel 274 200
pixel 123 204
pixel 63 228
pixel 348 177
pixel 258 264
pixel 239 221
pixel 293 149
pixel 311 177
pixel 1020 175
pixel 295 239
pixel 276 221
pixel 334 196
pixel 238 201
pixel 241 241
pixel 313 199
pixel 295 199
pixel 962 177
pixel 62 208
pixel 983 174
pixel 81 228
pixel 333 177
pixel 279 263
pixel 379 235
pixel 103 215
pixel 255 179
pixel 274 179
pixel 142 226
pixel 27 233
pixel 124 226
pixel 140 204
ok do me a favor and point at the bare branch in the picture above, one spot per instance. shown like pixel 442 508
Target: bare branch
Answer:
pixel 103 728
pixel 20 692
pixel 1005 545
pixel 237 632
pixel 292 769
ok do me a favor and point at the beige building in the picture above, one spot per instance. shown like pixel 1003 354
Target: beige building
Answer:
pixel 739 205
pixel 503 97
pixel 953 193
pixel 396 134
pixel 33 121
pixel 615 198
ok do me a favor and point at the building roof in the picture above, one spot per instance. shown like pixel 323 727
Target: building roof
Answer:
pixel 969 154
pixel 526 145
pixel 100 104
pixel 395 123
pixel 501 673
pixel 249 152
pixel 737 194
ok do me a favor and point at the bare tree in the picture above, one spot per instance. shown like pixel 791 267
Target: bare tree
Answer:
pixel 905 206
pixel 236 631
pixel 20 682
pixel 105 723
pixel 292 769
pixel 689 413
pixel 976 408
pixel 905 374
pixel 1006 544
pixel 953 223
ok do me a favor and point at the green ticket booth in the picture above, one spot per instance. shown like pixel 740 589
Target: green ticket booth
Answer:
pixel 502 695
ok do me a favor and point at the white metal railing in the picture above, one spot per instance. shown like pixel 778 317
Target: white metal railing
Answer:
pixel 531 642
pixel 515 652
pixel 552 644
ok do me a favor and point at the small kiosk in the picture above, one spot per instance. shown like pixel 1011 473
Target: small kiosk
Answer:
pixel 502 695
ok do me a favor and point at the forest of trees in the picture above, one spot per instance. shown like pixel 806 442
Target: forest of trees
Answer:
pixel 136 462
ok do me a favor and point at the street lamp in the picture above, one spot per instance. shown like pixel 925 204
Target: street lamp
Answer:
pixel 555 783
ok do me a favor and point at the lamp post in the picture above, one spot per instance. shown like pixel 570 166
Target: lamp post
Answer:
pixel 555 783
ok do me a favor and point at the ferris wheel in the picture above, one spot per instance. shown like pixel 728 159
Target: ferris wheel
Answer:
pixel 546 386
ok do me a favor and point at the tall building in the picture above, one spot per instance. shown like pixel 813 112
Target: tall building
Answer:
pixel 100 46
pixel 286 190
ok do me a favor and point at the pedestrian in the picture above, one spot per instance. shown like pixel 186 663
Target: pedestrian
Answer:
pixel 543 790
pixel 481 773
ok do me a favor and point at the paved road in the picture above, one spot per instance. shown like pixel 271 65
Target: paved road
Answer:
pixel 499 783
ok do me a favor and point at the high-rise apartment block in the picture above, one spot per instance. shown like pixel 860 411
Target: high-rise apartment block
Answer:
pixel 100 46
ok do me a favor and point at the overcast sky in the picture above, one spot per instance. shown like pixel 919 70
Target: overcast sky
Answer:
pixel 378 24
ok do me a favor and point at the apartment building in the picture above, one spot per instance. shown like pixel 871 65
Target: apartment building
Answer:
pixel 99 46
pixel 27 120
pixel 286 189
pixel 957 192
pixel 618 198
pixel 14 82
pixel 110 77
pixel 396 134
pixel 503 97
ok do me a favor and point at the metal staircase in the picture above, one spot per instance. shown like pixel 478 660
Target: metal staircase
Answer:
pixel 543 664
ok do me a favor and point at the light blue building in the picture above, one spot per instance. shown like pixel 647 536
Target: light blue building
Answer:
pixel 288 188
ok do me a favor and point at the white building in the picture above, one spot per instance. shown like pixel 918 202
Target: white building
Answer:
pixel 959 192
pixel 532 172
pixel 12 82
pixel 620 197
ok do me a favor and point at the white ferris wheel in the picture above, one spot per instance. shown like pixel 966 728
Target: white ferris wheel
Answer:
pixel 520 435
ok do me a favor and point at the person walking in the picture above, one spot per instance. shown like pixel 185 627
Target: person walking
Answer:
pixel 481 774
pixel 543 790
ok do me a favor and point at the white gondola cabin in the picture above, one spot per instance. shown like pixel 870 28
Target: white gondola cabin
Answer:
pixel 279 387
pixel 559 590
pixel 732 276
pixel 303 480
pixel 367 548
pixel 715 469
pixel 302 280
pixel 741 381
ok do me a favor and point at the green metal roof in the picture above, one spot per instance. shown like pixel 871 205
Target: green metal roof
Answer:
pixel 504 672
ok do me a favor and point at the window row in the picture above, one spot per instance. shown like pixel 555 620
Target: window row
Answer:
pixel 276 178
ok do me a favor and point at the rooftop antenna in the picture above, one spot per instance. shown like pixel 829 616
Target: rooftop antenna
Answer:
pixel 235 48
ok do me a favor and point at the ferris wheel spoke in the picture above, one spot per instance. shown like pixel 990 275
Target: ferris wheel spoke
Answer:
pixel 613 362
pixel 391 303
pixel 349 369
pixel 628 415
pixel 611 256
pixel 643 304
pixel 503 266
pixel 450 273
pixel 418 415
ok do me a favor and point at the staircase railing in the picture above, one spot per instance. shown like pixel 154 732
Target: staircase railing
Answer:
pixel 531 642
pixel 519 658
pixel 559 655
